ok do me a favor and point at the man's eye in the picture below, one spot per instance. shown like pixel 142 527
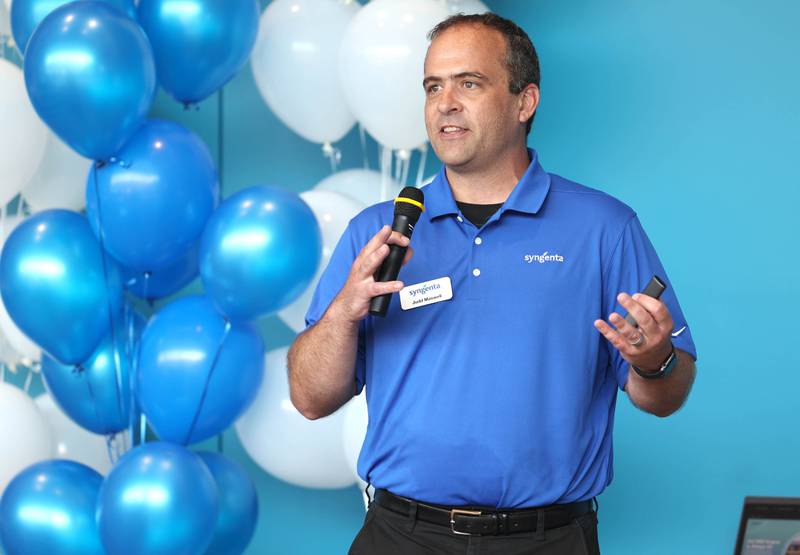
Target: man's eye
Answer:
pixel 433 88
pixel 470 84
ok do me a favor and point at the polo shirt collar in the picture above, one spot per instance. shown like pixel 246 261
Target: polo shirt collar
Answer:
pixel 527 196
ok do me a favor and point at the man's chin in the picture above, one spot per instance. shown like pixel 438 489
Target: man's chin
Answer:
pixel 451 157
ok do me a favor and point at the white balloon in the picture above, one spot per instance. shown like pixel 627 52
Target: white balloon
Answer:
pixel 27 351
pixel 294 63
pixel 467 7
pixel 333 211
pixel 24 434
pixel 60 179
pixel 364 186
pixel 381 68
pixel 5 20
pixel 284 443
pixel 23 135
pixel 70 441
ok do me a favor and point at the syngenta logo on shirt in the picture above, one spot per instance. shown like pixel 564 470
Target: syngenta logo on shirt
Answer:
pixel 544 257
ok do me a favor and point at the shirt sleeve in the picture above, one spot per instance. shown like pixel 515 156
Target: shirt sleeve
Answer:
pixel 631 265
pixel 330 283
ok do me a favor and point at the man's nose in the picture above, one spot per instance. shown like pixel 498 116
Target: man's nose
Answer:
pixel 448 101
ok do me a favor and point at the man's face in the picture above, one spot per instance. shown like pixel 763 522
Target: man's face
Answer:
pixel 471 117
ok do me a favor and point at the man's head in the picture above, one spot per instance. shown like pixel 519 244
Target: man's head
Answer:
pixel 481 88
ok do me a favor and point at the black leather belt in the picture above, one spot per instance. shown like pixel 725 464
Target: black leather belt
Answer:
pixel 471 522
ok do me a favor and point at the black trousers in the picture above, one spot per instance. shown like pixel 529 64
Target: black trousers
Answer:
pixel 386 532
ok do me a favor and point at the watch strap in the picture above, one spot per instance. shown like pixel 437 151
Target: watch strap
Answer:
pixel 666 367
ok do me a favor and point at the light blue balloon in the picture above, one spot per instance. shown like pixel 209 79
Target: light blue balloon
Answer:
pixel 55 285
pixel 259 252
pixel 184 344
pixel 155 204
pixel 90 75
pixel 159 499
pixel 97 393
pixel 27 14
pixel 238 505
pixel 163 282
pixel 199 45
pixel 49 508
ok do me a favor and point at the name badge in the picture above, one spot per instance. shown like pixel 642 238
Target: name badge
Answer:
pixel 427 292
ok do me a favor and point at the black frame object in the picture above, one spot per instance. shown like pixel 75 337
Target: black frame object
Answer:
pixel 767 508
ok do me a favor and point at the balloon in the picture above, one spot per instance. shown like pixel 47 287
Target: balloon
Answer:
pixel 381 68
pixel 238 506
pixel 297 50
pixel 96 394
pixel 155 204
pixel 60 179
pixel 466 7
pixel 194 379
pixel 164 281
pixel 259 252
pixel 5 24
pixel 56 285
pixel 287 445
pixel 22 346
pixel 49 508
pixel 70 441
pixel 23 135
pixel 354 430
pixel 26 349
pixel 24 435
pixel 160 499
pixel 199 45
pixel 364 186
pixel 27 14
pixel 90 74
pixel 333 212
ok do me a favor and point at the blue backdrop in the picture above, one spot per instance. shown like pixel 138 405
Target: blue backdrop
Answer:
pixel 687 111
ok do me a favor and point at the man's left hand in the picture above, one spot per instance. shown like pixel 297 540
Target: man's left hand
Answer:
pixel 647 346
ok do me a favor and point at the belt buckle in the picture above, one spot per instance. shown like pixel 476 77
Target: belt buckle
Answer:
pixel 453 513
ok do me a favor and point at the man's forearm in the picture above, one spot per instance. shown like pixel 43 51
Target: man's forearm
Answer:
pixel 662 397
pixel 322 365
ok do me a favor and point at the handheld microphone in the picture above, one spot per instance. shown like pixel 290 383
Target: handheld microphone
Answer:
pixel 408 207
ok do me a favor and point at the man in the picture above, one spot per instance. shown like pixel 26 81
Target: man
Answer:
pixel 491 414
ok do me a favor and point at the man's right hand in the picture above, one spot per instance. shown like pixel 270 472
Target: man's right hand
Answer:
pixel 352 302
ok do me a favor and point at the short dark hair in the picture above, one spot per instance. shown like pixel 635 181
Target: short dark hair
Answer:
pixel 522 62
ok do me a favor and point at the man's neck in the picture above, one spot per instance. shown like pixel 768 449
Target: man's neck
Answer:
pixel 490 185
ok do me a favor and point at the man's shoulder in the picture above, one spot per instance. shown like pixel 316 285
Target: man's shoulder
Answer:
pixel 581 197
pixel 372 218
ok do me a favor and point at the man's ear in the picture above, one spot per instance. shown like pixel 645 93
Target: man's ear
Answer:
pixel 528 101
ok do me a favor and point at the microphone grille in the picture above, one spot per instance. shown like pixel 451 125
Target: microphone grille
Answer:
pixel 410 202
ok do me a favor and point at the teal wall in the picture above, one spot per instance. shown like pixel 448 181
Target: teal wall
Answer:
pixel 687 111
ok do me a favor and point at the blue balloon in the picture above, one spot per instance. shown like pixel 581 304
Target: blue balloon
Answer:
pixel 199 45
pixel 155 204
pixel 49 508
pixel 97 394
pixel 163 282
pixel 58 285
pixel 160 499
pixel 27 14
pixel 195 378
pixel 90 75
pixel 238 505
pixel 259 252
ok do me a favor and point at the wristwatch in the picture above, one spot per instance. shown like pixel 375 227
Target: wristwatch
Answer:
pixel 666 367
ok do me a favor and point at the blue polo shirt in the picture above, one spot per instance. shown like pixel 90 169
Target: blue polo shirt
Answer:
pixel 503 396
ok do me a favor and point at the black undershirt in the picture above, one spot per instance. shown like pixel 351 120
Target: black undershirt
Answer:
pixel 478 214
